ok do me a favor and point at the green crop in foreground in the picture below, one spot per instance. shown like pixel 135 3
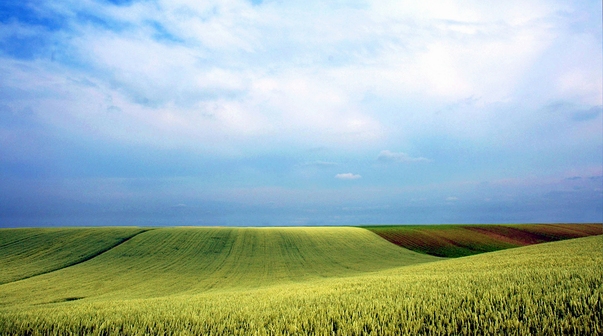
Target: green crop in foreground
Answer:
pixel 546 289
pixel 28 252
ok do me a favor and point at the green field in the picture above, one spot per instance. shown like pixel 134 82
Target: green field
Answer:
pixel 179 260
pixel 28 252
pixel 342 281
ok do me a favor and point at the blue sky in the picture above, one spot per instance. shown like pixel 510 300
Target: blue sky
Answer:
pixel 300 113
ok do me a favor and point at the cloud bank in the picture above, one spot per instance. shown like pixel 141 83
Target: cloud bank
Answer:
pixel 271 99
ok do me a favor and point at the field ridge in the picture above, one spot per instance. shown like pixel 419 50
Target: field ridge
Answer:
pixel 85 257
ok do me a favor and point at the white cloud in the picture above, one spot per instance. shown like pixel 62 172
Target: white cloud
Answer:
pixel 452 199
pixel 388 156
pixel 281 71
pixel 347 176
pixel 222 80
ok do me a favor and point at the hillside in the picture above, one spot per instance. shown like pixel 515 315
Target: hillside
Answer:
pixel 465 240
pixel 28 252
pixel 550 288
pixel 169 261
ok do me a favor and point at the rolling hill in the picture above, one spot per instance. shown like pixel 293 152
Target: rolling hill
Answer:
pixel 169 261
pixel 299 281
pixel 465 240
pixel 28 252
pixel 290 281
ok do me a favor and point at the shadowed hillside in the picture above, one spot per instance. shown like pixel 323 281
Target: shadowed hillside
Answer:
pixel 464 240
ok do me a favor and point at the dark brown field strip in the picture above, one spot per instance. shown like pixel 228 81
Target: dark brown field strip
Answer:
pixel 84 259
pixel 465 240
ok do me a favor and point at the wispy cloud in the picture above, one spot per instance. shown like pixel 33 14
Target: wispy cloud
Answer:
pixel 347 176
pixel 587 114
pixel 388 156
pixel 322 164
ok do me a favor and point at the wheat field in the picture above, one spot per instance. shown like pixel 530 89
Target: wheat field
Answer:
pixel 309 281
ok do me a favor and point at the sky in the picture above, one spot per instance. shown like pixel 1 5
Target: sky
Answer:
pixel 278 113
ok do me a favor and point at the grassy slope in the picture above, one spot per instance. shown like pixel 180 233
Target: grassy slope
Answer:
pixel 191 260
pixel 28 252
pixel 464 240
pixel 551 288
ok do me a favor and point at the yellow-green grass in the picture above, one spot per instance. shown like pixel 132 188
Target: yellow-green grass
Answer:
pixel 463 240
pixel 28 252
pixel 545 289
pixel 169 261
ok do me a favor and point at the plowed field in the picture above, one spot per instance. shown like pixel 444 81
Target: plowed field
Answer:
pixel 464 240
